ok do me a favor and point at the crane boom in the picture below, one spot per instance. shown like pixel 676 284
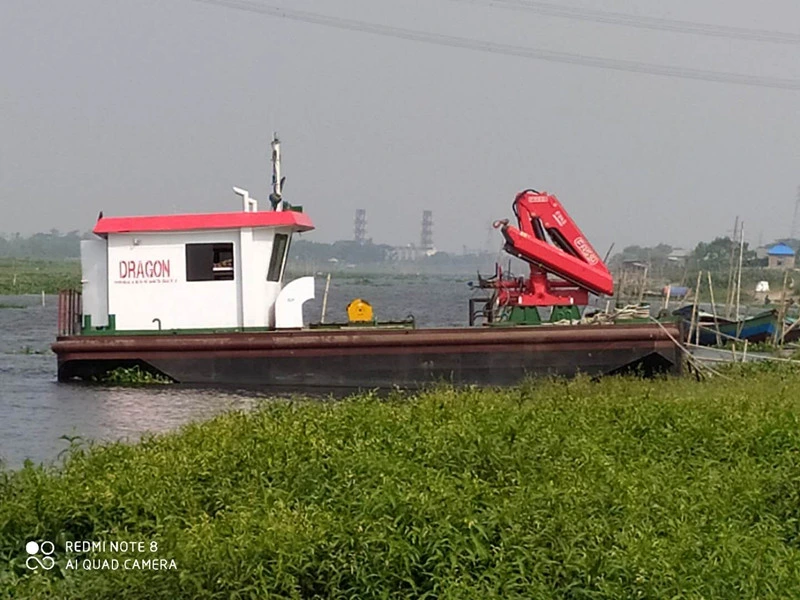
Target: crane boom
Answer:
pixel 564 267
pixel 570 256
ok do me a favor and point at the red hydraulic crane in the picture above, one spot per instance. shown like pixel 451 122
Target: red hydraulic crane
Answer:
pixel 564 268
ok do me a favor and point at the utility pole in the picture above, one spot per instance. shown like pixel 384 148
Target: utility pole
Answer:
pixel 729 290
pixel 793 232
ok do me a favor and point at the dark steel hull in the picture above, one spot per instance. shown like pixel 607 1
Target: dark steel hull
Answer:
pixel 370 358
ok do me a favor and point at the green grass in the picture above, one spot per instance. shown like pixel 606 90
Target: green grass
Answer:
pixel 28 276
pixel 622 488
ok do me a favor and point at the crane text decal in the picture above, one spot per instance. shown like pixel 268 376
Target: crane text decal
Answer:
pixel 144 271
pixel 582 245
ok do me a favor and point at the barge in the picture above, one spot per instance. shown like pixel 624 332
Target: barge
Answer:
pixel 201 299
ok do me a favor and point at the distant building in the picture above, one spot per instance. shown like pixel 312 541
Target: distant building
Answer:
pixel 635 266
pixel 678 255
pixel 780 256
pixel 410 253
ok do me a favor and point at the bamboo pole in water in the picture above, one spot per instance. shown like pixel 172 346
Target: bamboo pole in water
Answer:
pixel 325 298
pixel 714 308
pixel 778 337
pixel 739 278
pixel 644 283
pixel 791 328
pixel 729 289
pixel 693 327
pixel 621 288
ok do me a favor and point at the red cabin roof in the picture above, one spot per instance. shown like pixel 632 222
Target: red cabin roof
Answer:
pixel 230 220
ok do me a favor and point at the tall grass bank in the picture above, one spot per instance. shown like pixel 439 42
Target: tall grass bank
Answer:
pixel 618 489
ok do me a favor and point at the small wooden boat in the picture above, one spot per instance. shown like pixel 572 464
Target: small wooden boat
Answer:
pixel 758 328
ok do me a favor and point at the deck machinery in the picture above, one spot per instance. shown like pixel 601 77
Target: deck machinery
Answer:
pixel 564 267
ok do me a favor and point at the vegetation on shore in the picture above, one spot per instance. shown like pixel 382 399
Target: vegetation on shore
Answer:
pixel 20 276
pixel 621 488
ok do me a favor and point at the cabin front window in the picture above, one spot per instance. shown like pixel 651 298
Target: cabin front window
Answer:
pixel 209 262
pixel 278 258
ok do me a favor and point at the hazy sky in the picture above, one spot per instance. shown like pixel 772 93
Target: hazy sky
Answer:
pixel 153 106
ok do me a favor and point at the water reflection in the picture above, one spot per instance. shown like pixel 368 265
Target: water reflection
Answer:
pixel 35 411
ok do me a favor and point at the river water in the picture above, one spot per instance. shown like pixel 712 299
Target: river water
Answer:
pixel 36 411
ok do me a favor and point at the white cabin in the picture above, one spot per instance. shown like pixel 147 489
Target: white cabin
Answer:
pixel 193 272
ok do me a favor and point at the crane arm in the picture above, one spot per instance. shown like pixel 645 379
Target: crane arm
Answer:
pixel 570 256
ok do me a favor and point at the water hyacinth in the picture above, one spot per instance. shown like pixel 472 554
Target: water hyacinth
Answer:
pixel 129 376
pixel 620 488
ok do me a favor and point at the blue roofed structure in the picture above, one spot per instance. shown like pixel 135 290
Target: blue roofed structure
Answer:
pixel 780 250
pixel 780 256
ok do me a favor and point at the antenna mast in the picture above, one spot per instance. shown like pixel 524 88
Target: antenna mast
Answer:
pixel 275 197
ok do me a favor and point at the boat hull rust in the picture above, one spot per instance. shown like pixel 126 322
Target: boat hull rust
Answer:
pixel 370 358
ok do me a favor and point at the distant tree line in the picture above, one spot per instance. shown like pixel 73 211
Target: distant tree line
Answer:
pixel 342 251
pixel 707 256
pixel 308 256
pixel 52 244
pixel 659 265
pixel 57 245
pixel 351 252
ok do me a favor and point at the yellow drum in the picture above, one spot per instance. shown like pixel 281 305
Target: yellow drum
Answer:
pixel 359 311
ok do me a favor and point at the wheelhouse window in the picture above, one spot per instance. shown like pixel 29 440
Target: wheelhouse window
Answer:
pixel 209 262
pixel 278 258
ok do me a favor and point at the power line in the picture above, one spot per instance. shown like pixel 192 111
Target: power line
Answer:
pixel 641 22
pixel 629 66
